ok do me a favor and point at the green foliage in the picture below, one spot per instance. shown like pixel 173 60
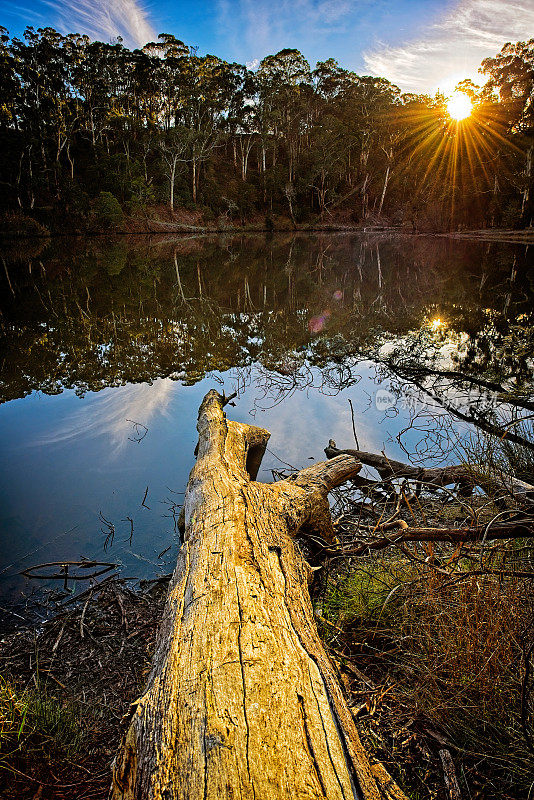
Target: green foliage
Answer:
pixel 142 194
pixel 369 594
pixel 35 725
pixel 108 213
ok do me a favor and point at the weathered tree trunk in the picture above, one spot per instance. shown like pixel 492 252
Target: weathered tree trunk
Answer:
pixel 242 700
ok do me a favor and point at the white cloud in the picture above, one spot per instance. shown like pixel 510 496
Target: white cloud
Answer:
pixel 453 47
pixel 110 413
pixel 105 20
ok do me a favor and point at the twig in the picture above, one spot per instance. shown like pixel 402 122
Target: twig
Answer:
pixel 353 425
pixel 138 434
pixel 525 691
pixel 130 520
pixel 144 498
pixel 449 774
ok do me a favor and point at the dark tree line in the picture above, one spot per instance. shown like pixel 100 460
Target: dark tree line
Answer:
pixel 77 314
pixel 90 131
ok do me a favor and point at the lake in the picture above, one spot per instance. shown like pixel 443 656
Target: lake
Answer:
pixel 109 345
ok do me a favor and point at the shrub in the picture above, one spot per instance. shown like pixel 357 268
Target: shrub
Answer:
pixel 108 212
pixel 15 223
pixel 456 647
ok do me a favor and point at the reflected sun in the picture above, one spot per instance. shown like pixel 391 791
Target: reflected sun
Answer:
pixel 459 106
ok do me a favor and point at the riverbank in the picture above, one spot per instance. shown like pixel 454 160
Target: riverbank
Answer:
pixel 161 221
pixel 424 647
pixel 523 236
pixel 65 688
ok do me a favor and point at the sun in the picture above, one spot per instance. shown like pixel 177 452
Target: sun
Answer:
pixel 459 106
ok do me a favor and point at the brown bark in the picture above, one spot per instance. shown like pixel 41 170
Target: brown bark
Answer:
pixel 453 535
pixel 465 475
pixel 242 700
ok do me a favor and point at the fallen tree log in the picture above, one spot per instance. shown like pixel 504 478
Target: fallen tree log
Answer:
pixel 242 700
pixel 465 475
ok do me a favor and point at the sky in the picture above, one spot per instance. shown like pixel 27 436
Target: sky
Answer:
pixel 420 45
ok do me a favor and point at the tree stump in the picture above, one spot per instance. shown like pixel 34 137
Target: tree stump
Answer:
pixel 242 700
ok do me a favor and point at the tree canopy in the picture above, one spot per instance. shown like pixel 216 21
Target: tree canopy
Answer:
pixel 164 126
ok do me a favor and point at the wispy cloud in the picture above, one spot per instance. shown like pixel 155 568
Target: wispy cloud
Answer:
pixel 105 19
pixel 453 47
pixel 259 27
pixel 110 413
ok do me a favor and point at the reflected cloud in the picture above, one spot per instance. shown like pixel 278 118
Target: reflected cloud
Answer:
pixel 303 423
pixel 113 413
pixel 453 47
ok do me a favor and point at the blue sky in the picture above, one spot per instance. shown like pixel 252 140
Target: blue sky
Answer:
pixel 419 44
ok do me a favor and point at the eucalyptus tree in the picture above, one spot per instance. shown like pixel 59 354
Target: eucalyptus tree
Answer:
pixel 511 74
pixel 326 158
pixel 366 104
pixel 282 81
pixel 80 116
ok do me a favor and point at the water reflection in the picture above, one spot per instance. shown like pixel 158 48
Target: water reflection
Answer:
pixel 105 340
pixel 120 415
pixel 87 315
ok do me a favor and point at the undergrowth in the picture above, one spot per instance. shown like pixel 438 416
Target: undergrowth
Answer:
pixel 34 724
pixel 454 648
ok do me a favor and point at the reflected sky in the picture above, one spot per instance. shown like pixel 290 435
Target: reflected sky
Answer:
pixel 105 369
pixel 65 459
pixel 113 413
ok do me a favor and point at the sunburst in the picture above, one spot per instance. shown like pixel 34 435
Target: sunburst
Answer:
pixel 459 106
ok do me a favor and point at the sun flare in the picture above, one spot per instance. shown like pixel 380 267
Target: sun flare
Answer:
pixel 459 106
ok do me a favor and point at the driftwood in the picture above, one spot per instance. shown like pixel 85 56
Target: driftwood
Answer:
pixel 242 700
pixel 476 533
pixel 466 476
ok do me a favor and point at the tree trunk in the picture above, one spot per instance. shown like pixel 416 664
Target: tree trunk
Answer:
pixel 172 179
pixel 386 181
pixel 242 700
pixel 526 216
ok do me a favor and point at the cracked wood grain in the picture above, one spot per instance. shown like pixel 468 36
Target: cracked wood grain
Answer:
pixel 242 700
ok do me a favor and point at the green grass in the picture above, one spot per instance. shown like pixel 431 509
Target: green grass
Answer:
pixel 35 725
pixel 370 593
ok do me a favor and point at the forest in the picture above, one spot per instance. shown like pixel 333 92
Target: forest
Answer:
pixel 266 423
pixel 110 138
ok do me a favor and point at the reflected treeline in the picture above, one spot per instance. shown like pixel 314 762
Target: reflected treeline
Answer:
pixel 86 314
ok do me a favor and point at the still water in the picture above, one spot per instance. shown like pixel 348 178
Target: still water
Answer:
pixel 108 347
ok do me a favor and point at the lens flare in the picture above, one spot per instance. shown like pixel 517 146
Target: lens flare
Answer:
pixel 459 106
pixel 316 324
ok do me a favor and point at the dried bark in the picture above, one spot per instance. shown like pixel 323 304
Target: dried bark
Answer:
pixel 242 700
pixel 465 475
pixel 453 535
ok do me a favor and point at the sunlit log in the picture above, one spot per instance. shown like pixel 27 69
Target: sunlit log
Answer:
pixel 242 700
